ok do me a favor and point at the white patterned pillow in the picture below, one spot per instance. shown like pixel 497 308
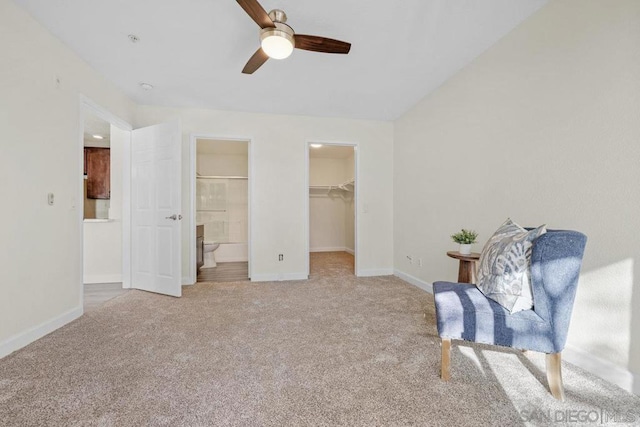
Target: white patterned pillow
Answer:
pixel 503 273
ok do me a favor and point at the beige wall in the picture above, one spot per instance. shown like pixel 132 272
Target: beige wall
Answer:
pixel 278 203
pixel 222 164
pixel 40 154
pixel 328 171
pixel 542 128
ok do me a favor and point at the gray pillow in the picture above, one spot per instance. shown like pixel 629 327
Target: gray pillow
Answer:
pixel 503 271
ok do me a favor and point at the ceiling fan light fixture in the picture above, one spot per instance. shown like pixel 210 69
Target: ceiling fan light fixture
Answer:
pixel 277 39
pixel 278 42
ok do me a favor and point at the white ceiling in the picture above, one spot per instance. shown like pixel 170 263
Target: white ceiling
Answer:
pixel 193 51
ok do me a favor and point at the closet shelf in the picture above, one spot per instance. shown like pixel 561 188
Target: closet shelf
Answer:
pixel 221 177
pixel 347 186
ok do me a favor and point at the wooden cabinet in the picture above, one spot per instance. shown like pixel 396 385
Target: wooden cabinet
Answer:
pixel 97 166
pixel 199 246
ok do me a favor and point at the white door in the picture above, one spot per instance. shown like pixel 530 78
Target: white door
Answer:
pixel 155 209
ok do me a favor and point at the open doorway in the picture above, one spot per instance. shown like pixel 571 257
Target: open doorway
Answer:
pixel 332 209
pixel 132 237
pixel 103 154
pixel 222 210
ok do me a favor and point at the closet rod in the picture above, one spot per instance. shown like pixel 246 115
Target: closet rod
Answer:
pixel 222 177
pixel 331 187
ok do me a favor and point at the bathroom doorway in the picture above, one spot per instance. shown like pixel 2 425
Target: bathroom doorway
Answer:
pixel 332 172
pixel 221 210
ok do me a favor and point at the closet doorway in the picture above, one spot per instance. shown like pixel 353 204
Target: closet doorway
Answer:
pixel 331 173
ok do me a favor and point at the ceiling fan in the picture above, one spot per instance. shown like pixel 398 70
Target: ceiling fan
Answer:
pixel 277 39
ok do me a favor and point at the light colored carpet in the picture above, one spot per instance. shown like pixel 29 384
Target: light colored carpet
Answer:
pixel 328 351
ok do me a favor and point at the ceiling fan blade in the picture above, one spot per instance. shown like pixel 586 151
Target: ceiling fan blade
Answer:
pixel 321 44
pixel 255 62
pixel 257 13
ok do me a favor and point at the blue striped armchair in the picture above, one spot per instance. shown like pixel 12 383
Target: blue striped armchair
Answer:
pixel 464 313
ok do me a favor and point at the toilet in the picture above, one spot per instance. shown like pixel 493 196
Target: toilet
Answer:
pixel 209 258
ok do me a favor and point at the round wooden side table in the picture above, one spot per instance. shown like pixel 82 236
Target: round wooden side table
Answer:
pixel 467 269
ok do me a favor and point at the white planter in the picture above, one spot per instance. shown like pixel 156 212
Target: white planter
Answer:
pixel 465 249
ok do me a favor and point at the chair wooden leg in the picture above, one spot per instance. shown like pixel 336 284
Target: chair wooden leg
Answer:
pixel 445 360
pixel 554 375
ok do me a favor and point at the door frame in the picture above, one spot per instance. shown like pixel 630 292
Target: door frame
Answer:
pixel 193 274
pixel 87 105
pixel 356 192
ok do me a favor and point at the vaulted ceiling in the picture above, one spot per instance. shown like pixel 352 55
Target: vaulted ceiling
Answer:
pixel 193 51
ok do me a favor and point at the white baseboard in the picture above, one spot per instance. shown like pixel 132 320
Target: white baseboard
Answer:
pixel 602 368
pixel 425 286
pixel 329 249
pixel 278 277
pixel 22 339
pixel 375 272
pixel 103 278
pixel 232 259
pixel 334 249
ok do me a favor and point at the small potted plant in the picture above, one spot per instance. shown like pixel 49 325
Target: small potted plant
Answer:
pixel 465 238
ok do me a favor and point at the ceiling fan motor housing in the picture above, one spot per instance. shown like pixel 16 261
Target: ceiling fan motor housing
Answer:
pixel 278 15
pixel 281 30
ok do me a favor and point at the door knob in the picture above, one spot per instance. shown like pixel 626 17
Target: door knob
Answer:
pixel 174 217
